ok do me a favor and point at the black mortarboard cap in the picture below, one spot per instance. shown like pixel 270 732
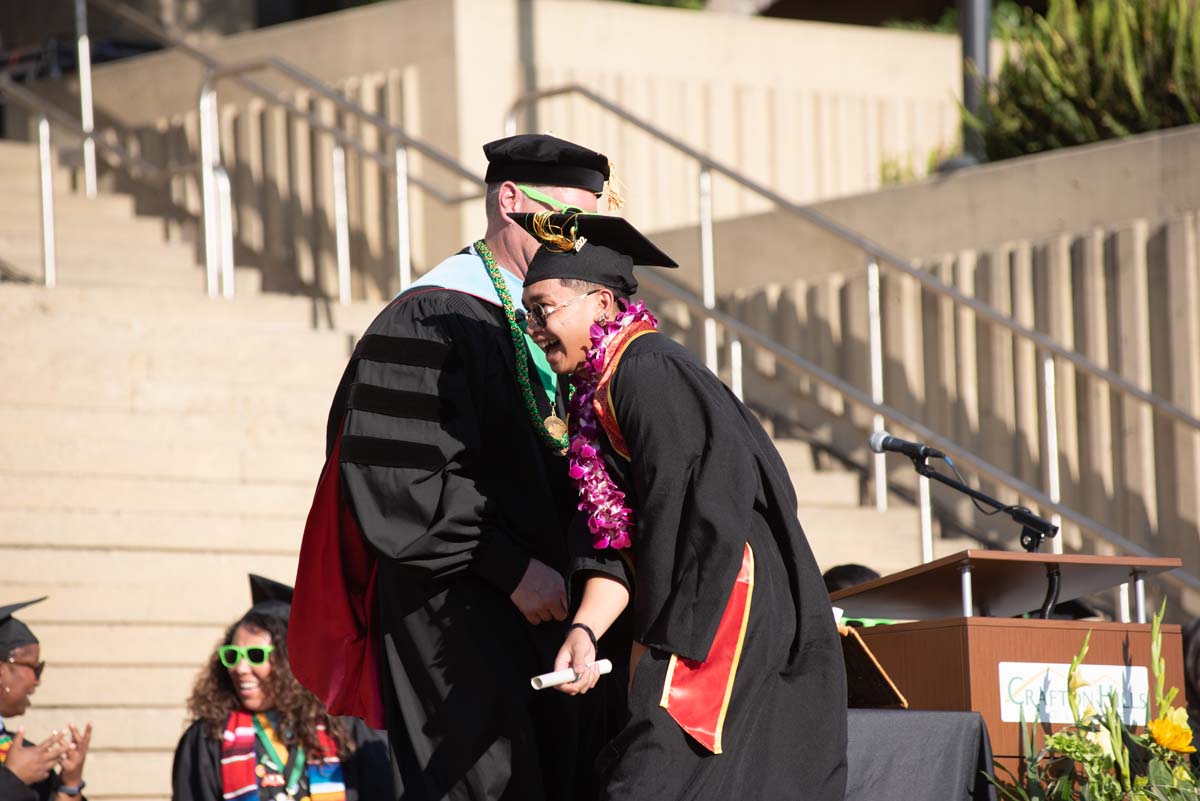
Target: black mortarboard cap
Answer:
pixel 543 159
pixel 14 633
pixel 270 597
pixel 590 247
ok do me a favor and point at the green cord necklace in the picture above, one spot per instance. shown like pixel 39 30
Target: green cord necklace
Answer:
pixel 552 431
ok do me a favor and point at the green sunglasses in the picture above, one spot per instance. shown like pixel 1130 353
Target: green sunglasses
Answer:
pixel 254 654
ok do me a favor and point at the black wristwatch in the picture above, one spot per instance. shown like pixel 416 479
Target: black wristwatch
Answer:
pixel 72 791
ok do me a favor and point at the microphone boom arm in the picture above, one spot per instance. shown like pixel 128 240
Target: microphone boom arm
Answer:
pixel 1034 529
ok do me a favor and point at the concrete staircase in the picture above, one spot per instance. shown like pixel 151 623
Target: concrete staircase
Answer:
pixel 157 446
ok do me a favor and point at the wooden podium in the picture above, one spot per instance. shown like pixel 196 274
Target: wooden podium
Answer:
pixel 962 628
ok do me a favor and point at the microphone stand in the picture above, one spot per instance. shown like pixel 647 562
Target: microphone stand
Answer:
pixel 1034 529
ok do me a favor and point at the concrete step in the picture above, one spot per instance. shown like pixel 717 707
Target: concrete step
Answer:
pixel 42 494
pixel 179 274
pixel 129 775
pixel 69 687
pixel 302 360
pixel 159 395
pixel 126 728
pixel 797 455
pixel 41 452
pixel 25 203
pixel 20 303
pixel 827 488
pixel 81 228
pixel 213 427
pixel 886 541
pixel 152 531
pixel 87 646
pixel 117 587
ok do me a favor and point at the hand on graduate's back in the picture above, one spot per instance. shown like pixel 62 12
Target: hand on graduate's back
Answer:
pixel 541 596
pixel 32 765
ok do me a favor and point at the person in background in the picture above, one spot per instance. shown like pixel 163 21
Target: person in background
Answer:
pixel 31 771
pixel 843 576
pixel 257 735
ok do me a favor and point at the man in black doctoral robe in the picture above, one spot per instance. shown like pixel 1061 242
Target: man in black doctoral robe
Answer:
pixel 430 584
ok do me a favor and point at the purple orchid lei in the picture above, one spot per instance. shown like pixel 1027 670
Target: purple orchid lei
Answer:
pixel 609 519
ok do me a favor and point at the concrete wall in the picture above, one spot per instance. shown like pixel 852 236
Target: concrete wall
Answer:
pixel 810 109
pixel 1094 246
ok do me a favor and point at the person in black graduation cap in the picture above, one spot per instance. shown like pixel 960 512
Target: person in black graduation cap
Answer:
pixel 257 735
pixel 430 585
pixel 688 520
pixel 29 771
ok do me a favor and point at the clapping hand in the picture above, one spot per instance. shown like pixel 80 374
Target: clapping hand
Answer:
pixel 72 763
pixel 32 765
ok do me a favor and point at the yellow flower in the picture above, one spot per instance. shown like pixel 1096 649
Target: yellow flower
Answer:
pixel 1076 682
pixel 1172 732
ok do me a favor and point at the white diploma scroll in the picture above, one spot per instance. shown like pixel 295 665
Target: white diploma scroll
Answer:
pixel 565 676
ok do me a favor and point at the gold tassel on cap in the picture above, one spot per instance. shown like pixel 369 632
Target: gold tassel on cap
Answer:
pixel 560 236
pixel 612 189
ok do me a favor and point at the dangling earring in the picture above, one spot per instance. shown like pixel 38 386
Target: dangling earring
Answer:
pixel 603 319
pixel 7 691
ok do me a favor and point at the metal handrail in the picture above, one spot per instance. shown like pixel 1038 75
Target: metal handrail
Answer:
pixel 392 132
pixel 740 331
pixel 215 180
pixel 48 114
pixel 875 251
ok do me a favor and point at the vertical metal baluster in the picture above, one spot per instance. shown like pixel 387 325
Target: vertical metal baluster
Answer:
pixel 86 114
pixel 707 272
pixel 968 599
pixel 875 335
pixel 1053 489
pixel 735 365
pixel 46 185
pixel 403 231
pixel 926 520
pixel 210 149
pixel 225 214
pixel 341 215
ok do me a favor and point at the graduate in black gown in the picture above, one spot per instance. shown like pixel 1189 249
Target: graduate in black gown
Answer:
pixel 31 771
pixel 430 587
pixel 688 519
pixel 257 735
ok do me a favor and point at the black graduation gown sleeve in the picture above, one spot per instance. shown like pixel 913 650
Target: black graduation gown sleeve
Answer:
pixel 13 789
pixel 695 485
pixel 196 771
pixel 411 437
pixel 367 771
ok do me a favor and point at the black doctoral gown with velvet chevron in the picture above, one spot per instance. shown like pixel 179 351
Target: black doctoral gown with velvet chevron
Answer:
pixel 703 479
pixel 455 493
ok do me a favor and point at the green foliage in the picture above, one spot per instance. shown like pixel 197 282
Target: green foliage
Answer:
pixel 1006 17
pixel 1097 70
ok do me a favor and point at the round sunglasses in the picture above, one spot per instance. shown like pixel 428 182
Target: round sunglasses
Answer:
pixel 256 655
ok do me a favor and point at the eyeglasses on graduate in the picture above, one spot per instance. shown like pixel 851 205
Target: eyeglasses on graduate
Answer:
pixel 36 667
pixel 256 655
pixel 538 312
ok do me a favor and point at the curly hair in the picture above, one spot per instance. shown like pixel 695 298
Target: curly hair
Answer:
pixel 214 697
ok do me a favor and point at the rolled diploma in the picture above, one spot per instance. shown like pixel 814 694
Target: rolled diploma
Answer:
pixel 565 676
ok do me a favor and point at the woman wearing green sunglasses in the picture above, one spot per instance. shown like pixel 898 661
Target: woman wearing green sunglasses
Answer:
pixel 258 735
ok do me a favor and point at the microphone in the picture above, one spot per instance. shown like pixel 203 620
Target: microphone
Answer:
pixel 882 441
